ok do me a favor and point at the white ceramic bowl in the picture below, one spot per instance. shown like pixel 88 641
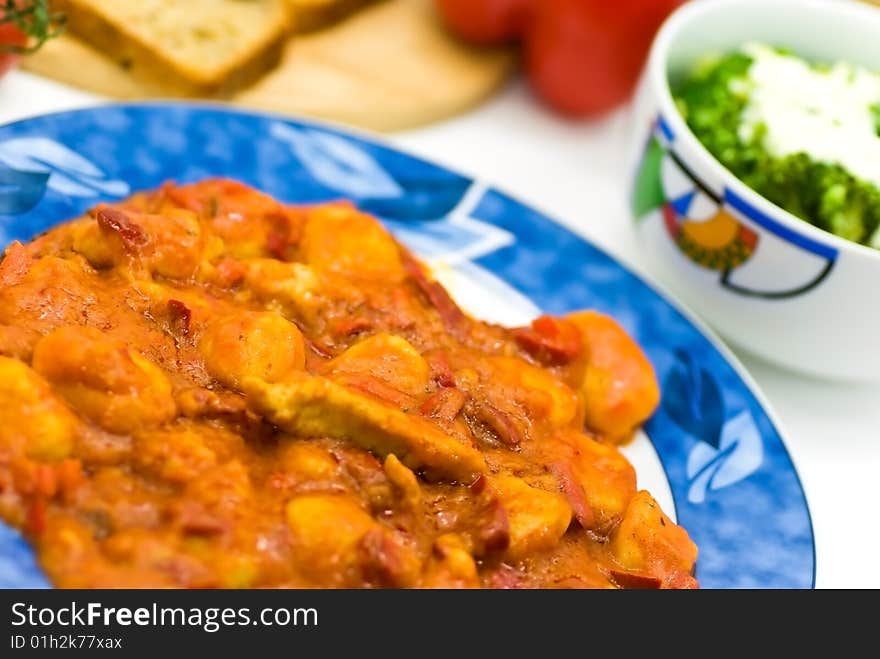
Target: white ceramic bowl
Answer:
pixel 769 282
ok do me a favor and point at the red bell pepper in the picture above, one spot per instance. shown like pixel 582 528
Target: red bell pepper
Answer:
pixel 581 56
pixel 24 26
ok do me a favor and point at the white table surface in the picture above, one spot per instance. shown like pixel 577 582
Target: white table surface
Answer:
pixel 575 172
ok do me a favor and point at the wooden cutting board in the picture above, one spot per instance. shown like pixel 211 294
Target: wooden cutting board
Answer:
pixel 388 67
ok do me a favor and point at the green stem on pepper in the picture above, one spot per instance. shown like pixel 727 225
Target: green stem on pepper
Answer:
pixel 35 19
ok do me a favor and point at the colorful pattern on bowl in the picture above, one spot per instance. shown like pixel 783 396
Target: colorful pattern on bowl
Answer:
pixel 719 229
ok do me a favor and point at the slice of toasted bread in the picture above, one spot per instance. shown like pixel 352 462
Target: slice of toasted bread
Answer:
pixel 70 60
pixel 309 15
pixel 350 73
pixel 195 48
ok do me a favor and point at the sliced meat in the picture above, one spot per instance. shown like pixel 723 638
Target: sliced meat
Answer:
pixel 404 481
pixel 437 296
pixel 387 561
pixel 551 341
pixel 443 405
pixel 500 423
pixel 312 406
pixel 635 580
pixel 120 223
pixel 574 494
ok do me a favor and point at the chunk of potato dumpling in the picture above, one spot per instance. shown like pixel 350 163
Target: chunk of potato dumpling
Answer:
pixel 290 284
pixel 648 541
pixel 69 541
pixel 53 291
pixel 17 341
pixel 325 532
pixel 90 241
pixel 306 462
pixel 164 304
pixel 620 388
pixel 450 565
pixel 537 518
pixel 606 476
pixel 387 357
pixel 264 345
pixel 225 488
pixel 105 381
pixel 33 421
pixel 169 244
pixel 177 244
pixel 176 456
pixel 543 394
pixel 339 238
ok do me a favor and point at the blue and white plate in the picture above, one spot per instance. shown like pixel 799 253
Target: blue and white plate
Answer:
pixel 712 454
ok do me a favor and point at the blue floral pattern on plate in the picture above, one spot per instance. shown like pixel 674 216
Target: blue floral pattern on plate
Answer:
pixel 733 482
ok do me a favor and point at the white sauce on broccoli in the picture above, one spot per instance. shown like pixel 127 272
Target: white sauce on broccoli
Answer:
pixel 823 113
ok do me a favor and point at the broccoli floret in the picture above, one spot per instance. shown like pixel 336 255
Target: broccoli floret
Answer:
pixel 712 99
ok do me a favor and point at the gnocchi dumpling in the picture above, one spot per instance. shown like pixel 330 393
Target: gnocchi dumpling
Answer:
pixel 263 345
pixel 33 422
pixel 109 383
